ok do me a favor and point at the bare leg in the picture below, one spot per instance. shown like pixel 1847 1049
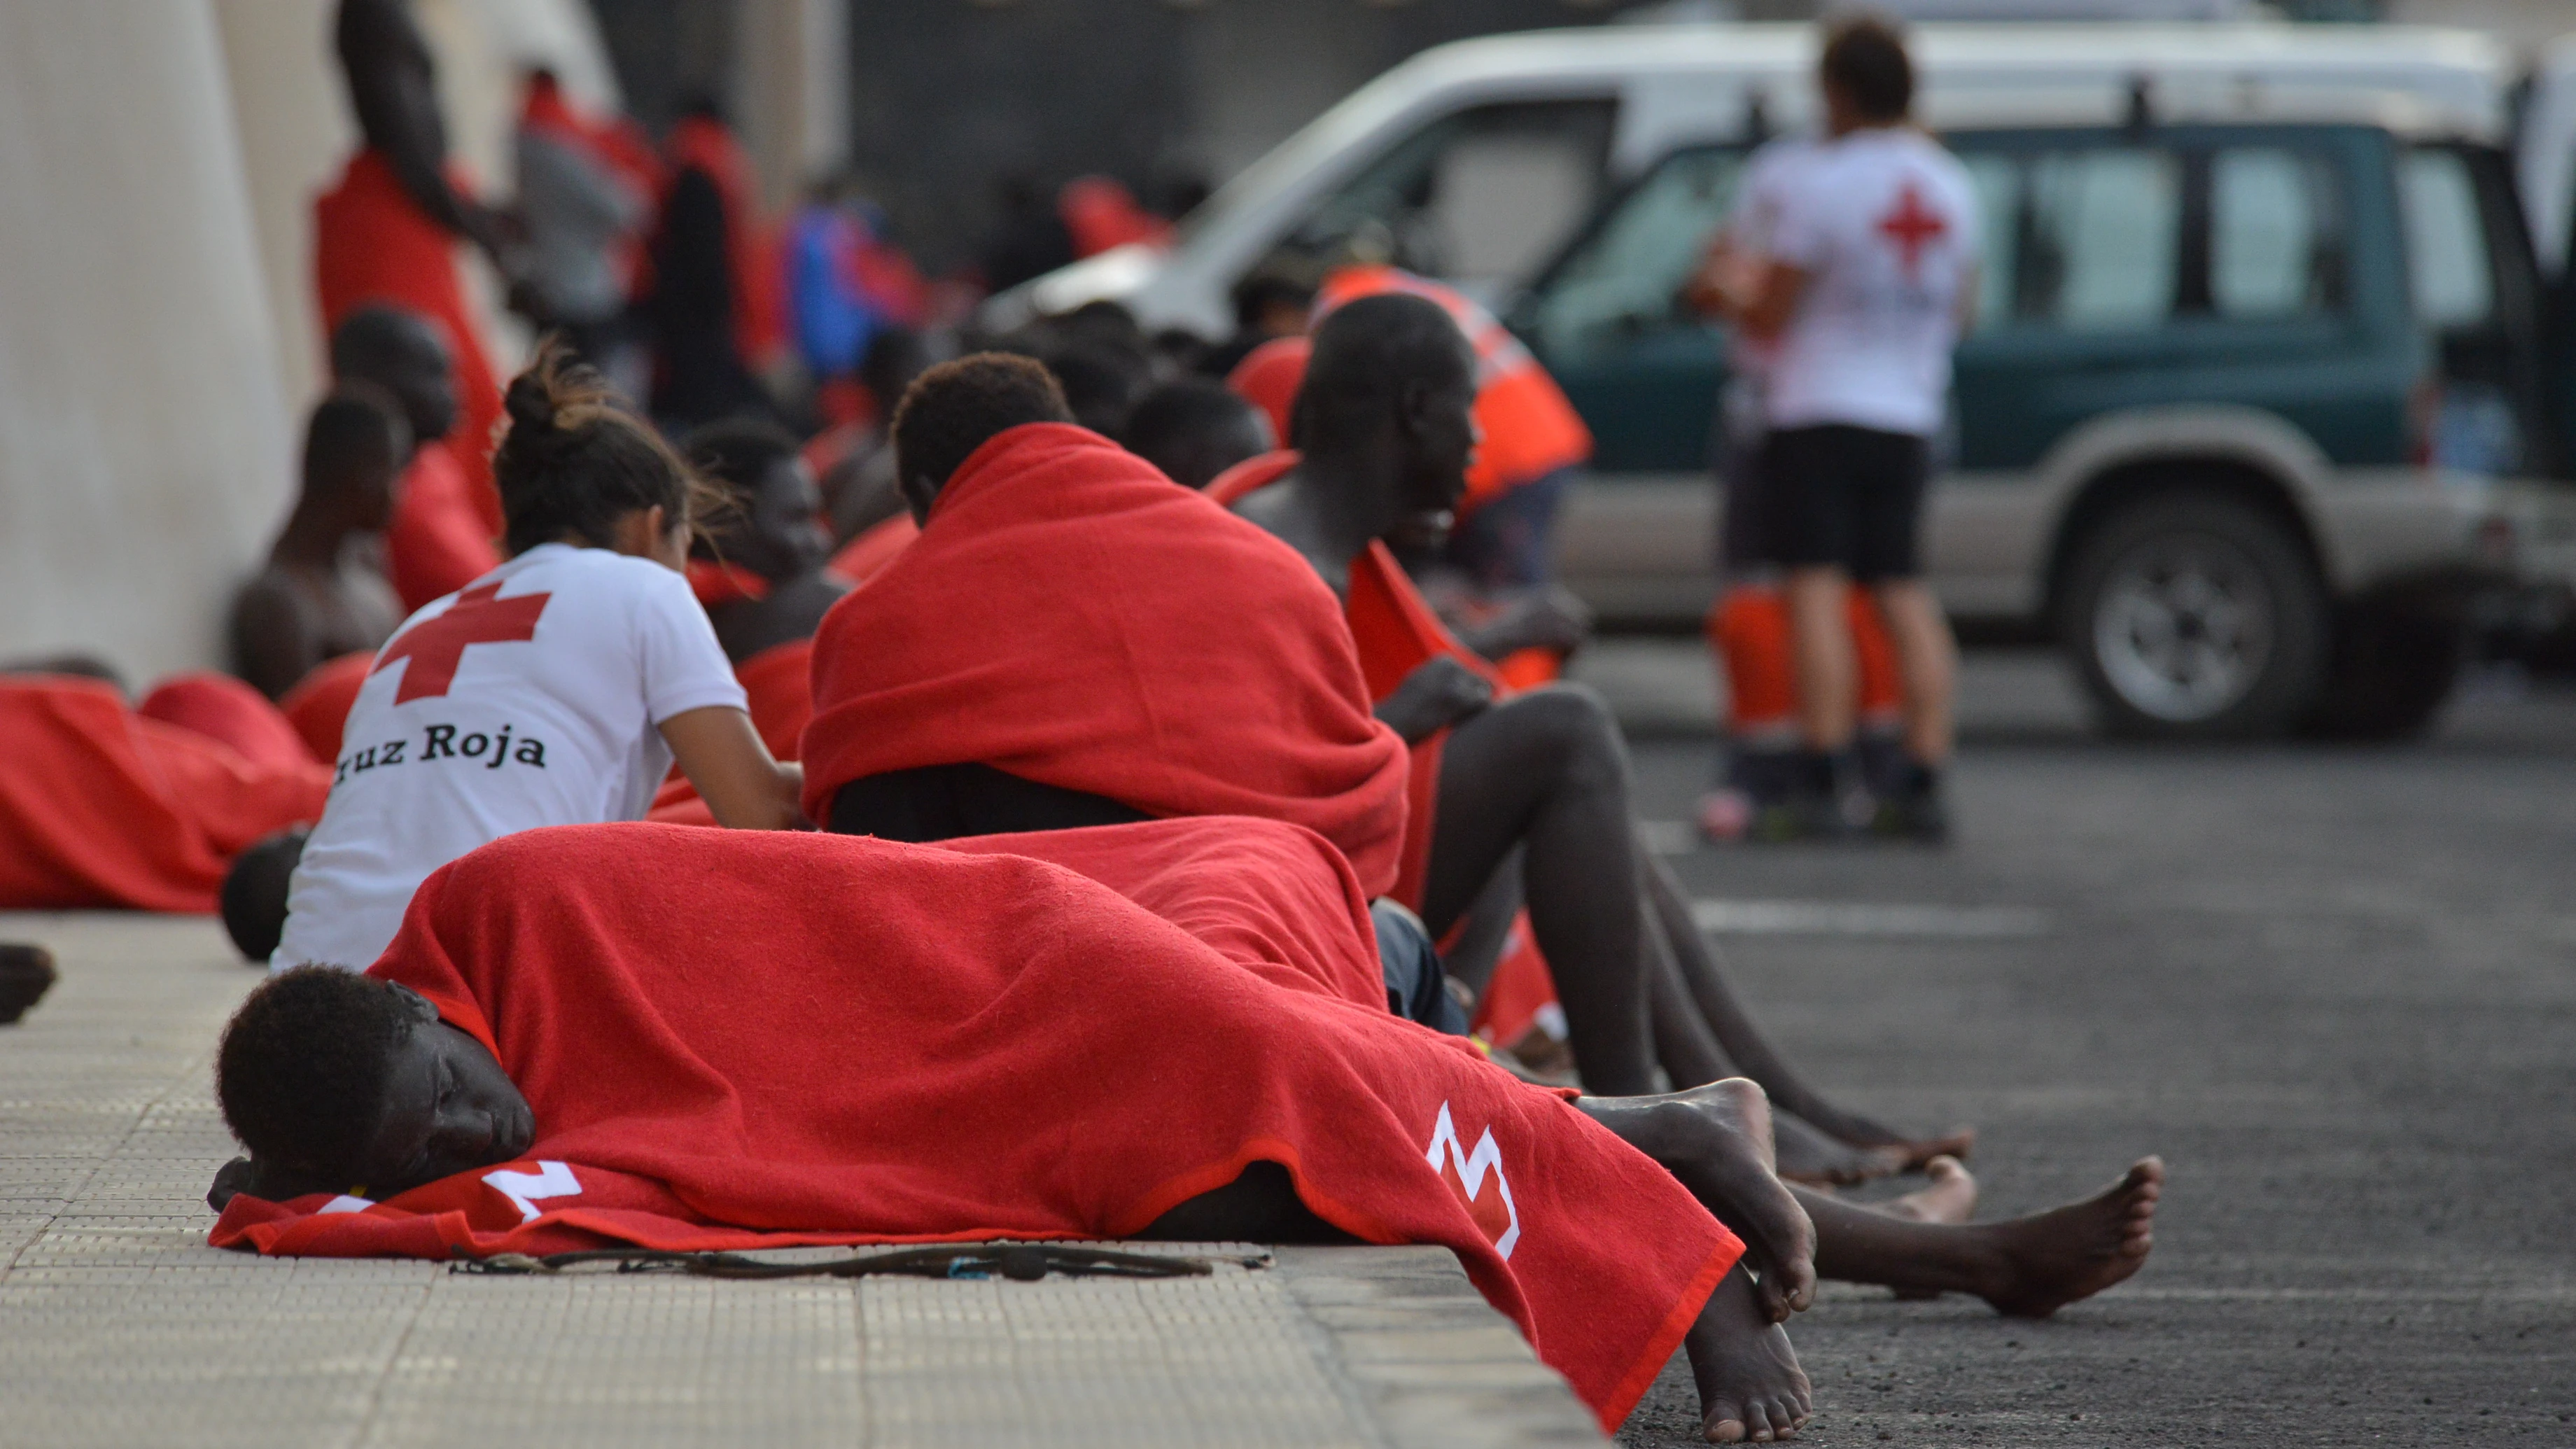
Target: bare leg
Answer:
pixel 1929 657
pixel 1820 643
pixel 1690 1056
pixel 1951 1197
pixel 1716 1140
pixel 1750 1385
pixel 1743 1043
pixel 1548 771
pixel 2028 1267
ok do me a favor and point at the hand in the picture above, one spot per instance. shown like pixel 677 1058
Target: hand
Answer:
pixel 1439 694
pixel 1550 618
pixel 244 1175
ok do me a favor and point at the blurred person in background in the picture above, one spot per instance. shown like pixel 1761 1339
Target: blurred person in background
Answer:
pixel 582 209
pixel 717 314
pixel 1268 305
pixel 323 593
pixel 386 231
pixel 436 541
pixel 1858 296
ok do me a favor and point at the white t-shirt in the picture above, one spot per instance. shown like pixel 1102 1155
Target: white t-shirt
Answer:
pixel 530 698
pixel 1884 224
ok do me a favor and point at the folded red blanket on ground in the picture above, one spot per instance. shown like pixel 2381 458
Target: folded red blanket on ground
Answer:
pixel 1073 617
pixel 101 807
pixel 231 713
pixel 753 1038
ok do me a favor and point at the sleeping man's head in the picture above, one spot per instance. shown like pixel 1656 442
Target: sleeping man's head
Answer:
pixel 338 1082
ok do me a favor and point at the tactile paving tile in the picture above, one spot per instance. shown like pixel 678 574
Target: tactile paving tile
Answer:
pixel 120 1327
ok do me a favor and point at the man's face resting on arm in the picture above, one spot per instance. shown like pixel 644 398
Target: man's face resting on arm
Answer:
pixel 341 1083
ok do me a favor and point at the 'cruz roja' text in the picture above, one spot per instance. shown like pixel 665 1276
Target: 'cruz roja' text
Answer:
pixel 442 742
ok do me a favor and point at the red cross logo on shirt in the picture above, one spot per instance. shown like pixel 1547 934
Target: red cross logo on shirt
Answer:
pixel 1912 227
pixel 436 646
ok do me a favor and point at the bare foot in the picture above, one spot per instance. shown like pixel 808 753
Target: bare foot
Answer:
pixel 1750 1385
pixel 1952 1197
pixel 2053 1258
pixel 1809 1156
pixel 1716 1139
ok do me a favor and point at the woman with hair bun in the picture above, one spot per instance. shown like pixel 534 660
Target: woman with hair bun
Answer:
pixel 557 689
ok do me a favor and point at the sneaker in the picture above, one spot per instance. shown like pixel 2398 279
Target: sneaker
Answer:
pixel 1916 812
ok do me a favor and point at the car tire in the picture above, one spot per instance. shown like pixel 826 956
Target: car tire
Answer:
pixel 2195 617
pixel 2391 669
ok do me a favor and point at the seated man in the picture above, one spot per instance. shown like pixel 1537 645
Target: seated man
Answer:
pixel 439 539
pixel 771 528
pixel 1073 641
pixel 1194 429
pixel 1086 1034
pixel 323 594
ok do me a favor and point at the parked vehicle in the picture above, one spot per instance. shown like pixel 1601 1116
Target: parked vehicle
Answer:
pixel 2262 390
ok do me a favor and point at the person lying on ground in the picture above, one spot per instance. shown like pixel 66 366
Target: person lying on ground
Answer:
pixel 323 593
pixel 535 961
pixel 559 689
pixel 102 805
pixel 437 540
pixel 610 1035
pixel 769 525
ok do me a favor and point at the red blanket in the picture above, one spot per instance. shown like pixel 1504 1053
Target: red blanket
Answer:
pixel 373 243
pixel 438 540
pixel 319 704
pixel 101 807
pixel 753 1038
pixel 230 713
pixel 1073 617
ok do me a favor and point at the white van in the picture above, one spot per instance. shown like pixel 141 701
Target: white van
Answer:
pixel 2262 326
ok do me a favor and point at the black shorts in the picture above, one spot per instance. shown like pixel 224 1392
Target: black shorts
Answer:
pixel 1846 497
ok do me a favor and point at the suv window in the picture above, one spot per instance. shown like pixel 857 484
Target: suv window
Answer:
pixel 2448 266
pixel 2276 233
pixel 1621 279
pixel 2097 238
pixel 1480 197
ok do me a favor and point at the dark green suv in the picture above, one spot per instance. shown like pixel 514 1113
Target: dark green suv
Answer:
pixel 2235 423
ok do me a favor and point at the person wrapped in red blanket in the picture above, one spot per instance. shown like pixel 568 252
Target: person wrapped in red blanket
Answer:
pixel 691 1039
pixel 104 806
pixel 1076 640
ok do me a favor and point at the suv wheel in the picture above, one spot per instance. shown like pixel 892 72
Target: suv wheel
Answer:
pixel 2195 617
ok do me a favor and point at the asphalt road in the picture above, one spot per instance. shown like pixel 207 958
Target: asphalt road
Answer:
pixel 2334 987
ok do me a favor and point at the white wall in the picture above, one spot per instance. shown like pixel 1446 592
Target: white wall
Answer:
pixel 144 443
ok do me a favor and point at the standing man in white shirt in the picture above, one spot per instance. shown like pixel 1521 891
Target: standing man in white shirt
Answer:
pixel 1868 277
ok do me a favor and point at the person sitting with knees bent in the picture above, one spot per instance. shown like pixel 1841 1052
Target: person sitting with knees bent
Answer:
pixel 555 690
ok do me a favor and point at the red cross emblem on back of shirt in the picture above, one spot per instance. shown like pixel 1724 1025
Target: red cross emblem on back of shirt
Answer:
pixel 436 646
pixel 1912 227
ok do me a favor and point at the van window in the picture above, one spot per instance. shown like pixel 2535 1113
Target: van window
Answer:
pixel 1621 279
pixel 2447 265
pixel 1481 197
pixel 2098 239
pixel 2275 233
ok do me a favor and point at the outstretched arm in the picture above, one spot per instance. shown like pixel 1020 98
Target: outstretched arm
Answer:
pixel 722 755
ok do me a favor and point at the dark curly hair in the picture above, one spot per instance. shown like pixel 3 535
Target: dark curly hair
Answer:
pixel 954 408
pixel 304 1066
pixel 576 459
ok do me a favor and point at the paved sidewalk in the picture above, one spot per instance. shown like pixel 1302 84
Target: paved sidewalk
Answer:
pixel 120 1328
